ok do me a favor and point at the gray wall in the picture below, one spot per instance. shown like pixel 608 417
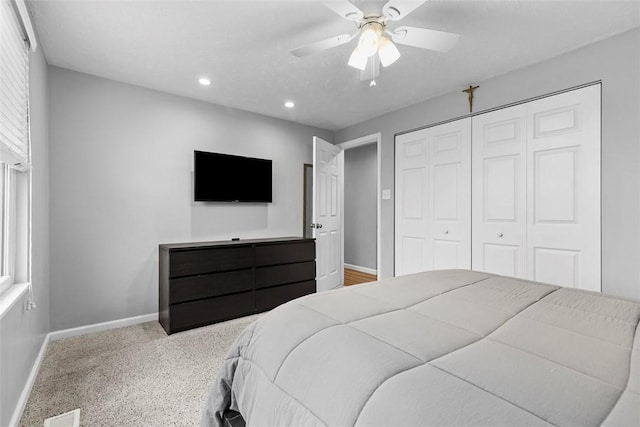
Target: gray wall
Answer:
pixel 616 62
pixel 360 189
pixel 121 183
pixel 23 332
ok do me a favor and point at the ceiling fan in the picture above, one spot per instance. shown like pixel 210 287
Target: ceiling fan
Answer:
pixel 375 37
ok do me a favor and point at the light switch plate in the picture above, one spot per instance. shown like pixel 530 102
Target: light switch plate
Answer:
pixel 386 194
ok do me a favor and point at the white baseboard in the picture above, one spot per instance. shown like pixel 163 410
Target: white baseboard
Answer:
pixel 361 269
pixel 26 391
pixel 104 326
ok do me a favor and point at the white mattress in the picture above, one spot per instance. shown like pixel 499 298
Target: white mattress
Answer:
pixel 441 348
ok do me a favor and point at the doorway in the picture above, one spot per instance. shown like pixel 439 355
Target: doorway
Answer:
pixel 360 222
pixel 356 247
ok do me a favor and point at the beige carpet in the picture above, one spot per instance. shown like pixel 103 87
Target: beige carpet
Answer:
pixel 133 376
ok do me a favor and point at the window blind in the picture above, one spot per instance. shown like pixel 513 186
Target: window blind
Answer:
pixel 14 89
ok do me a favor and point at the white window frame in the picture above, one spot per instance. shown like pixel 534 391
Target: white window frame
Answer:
pixel 8 222
pixel 15 186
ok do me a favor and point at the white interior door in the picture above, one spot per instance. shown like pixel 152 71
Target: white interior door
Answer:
pixel 499 192
pixel 433 198
pixel 563 189
pixel 328 181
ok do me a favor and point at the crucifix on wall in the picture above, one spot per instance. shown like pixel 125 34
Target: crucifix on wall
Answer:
pixel 469 91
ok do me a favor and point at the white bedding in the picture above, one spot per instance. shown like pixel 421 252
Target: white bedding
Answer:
pixel 441 348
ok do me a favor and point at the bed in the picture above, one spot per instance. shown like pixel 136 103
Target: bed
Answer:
pixel 441 348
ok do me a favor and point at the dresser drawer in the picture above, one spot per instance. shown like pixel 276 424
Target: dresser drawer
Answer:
pixel 209 285
pixel 285 253
pixel 287 273
pixel 204 312
pixel 201 261
pixel 266 299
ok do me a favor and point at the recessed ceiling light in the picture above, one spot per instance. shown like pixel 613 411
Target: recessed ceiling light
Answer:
pixel 204 81
pixel 289 104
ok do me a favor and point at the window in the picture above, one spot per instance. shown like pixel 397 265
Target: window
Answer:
pixel 15 160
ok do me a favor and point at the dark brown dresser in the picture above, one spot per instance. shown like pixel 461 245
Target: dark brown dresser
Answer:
pixel 208 282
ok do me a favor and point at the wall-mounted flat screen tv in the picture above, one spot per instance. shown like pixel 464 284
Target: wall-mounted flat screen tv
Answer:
pixel 227 178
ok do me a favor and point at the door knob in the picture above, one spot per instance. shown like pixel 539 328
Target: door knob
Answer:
pixel 500 234
pixel 446 231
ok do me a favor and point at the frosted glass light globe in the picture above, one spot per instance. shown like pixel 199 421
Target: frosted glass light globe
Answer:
pixel 368 44
pixel 388 52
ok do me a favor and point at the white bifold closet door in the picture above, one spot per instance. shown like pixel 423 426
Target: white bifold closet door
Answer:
pixel 433 198
pixel 536 190
pixel 499 223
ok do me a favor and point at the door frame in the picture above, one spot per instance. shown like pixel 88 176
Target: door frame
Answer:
pixel 305 196
pixel 375 138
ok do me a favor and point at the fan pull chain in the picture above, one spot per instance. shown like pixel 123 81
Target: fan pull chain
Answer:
pixel 373 83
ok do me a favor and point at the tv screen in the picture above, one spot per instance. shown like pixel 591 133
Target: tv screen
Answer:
pixel 227 178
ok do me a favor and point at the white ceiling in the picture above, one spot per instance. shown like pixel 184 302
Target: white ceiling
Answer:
pixel 244 47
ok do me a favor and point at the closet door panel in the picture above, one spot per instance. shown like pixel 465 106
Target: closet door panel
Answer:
pixel 502 259
pixel 555 186
pixel 558 266
pixel 564 189
pixel 499 192
pixel 446 254
pixel 445 192
pixel 501 188
pixel 449 194
pixel 411 204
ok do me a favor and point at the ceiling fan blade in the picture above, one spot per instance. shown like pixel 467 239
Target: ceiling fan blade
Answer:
pixel 440 41
pixel 321 45
pixel 345 9
pixel 398 9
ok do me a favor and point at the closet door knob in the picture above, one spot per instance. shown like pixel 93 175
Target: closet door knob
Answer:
pixel 500 234
pixel 446 231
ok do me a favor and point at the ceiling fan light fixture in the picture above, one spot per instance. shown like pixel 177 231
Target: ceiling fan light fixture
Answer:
pixel 387 52
pixel 358 59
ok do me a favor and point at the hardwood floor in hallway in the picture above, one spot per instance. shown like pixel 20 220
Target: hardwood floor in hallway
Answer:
pixel 353 277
